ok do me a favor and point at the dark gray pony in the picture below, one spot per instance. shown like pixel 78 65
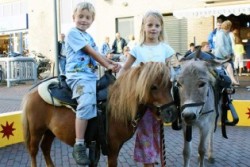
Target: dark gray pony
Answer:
pixel 201 102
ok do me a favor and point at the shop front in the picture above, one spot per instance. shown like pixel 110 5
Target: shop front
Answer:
pixel 239 15
pixel 13 34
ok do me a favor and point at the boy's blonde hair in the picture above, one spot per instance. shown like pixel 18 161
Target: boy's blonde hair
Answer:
pixel 226 25
pixel 85 5
pixel 157 15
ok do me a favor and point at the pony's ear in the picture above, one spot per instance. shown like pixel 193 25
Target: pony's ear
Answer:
pixel 174 60
pixel 141 63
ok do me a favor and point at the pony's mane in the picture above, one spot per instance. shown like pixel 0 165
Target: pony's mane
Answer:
pixel 133 88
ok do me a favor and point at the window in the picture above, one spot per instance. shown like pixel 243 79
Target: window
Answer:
pixel 125 26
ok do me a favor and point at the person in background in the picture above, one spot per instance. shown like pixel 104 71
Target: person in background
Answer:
pixel 132 42
pixel 191 49
pixel 205 47
pixel 61 55
pixel 118 44
pixel 247 49
pixel 223 49
pixel 151 48
pixel 239 52
pixel 212 35
pixel 82 54
pixel 125 54
pixel 105 48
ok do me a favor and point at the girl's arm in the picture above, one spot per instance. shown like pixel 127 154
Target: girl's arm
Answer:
pixel 109 64
pixel 130 60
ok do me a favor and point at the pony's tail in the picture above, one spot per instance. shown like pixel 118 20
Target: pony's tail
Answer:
pixel 25 122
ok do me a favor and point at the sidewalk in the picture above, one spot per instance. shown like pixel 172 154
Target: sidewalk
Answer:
pixel 232 152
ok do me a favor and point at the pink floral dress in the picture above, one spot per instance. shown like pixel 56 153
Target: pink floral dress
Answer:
pixel 147 142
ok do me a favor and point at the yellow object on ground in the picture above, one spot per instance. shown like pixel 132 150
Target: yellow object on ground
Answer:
pixel 242 107
pixel 11 131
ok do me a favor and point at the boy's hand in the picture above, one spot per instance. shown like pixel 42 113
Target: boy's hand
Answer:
pixel 115 67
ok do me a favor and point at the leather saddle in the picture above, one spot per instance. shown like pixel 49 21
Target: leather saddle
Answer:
pixel 60 90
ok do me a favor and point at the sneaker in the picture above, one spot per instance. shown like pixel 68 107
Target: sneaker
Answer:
pixel 80 155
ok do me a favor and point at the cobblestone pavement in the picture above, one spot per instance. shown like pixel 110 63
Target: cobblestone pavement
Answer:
pixel 232 152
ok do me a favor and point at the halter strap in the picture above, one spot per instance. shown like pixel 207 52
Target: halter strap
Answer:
pixel 140 113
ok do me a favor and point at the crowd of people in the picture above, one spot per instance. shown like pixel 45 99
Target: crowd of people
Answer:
pixel 225 44
pixel 83 56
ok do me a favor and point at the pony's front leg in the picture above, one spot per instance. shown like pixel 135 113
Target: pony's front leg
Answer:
pixel 112 156
pixel 210 148
pixel 204 133
pixel 187 151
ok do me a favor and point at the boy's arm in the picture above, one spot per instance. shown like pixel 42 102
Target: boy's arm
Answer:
pixel 109 64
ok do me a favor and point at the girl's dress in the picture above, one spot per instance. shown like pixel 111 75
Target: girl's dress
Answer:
pixel 147 143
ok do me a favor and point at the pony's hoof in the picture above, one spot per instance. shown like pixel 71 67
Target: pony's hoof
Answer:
pixel 211 160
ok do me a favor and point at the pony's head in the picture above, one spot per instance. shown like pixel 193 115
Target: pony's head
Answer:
pixel 195 84
pixel 146 85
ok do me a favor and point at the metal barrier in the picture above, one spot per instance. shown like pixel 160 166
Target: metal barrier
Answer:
pixel 17 69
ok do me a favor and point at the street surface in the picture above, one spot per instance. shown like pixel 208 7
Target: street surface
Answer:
pixel 232 152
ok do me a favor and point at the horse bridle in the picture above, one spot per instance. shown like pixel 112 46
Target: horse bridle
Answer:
pixel 189 128
pixel 198 104
pixel 158 110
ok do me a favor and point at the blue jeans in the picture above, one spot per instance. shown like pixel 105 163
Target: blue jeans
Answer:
pixel 62 63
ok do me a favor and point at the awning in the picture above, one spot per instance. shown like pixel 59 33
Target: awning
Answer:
pixel 213 11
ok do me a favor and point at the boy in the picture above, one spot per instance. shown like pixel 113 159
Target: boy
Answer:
pixel 81 74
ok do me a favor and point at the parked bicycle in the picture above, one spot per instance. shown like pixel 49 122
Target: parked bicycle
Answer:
pixel 43 65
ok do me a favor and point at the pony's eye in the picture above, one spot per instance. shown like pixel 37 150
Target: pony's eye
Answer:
pixel 153 87
pixel 202 84
pixel 178 84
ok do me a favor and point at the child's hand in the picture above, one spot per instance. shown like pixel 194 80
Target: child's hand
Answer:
pixel 115 67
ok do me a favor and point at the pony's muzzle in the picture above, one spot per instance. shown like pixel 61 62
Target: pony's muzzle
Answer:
pixel 188 116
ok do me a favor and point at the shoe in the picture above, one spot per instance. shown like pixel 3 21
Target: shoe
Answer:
pixel 80 155
pixel 236 84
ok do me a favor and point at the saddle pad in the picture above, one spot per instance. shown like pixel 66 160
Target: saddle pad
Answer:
pixel 44 93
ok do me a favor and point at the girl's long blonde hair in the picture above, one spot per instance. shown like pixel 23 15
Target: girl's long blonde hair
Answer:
pixel 157 15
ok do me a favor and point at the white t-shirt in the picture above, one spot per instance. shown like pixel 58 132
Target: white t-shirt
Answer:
pixel 151 53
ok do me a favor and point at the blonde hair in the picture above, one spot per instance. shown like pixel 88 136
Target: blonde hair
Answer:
pixel 204 44
pixel 226 25
pixel 85 5
pixel 156 15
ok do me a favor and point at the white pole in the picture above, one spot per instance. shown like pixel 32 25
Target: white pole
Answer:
pixel 55 72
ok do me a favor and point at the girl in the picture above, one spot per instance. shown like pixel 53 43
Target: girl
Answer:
pixel 239 52
pixel 151 48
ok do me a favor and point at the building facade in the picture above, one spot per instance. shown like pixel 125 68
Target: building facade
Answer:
pixel 13 26
pixel 185 21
